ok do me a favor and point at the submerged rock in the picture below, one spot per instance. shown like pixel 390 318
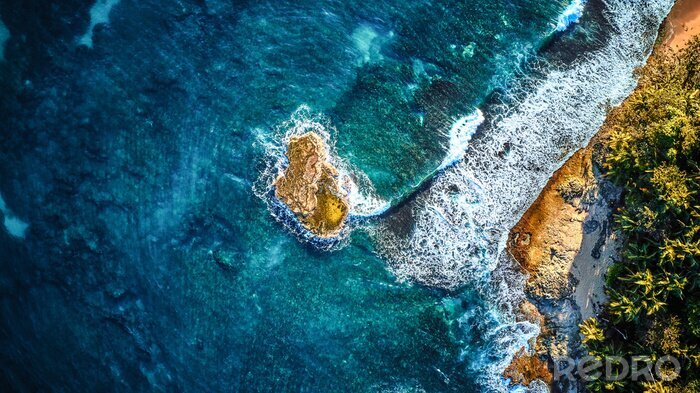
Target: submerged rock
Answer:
pixel 227 260
pixel 310 186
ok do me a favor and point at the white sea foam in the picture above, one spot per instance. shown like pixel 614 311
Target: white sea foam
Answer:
pixel 13 225
pixel 99 13
pixel 571 15
pixel 4 36
pixel 462 221
pixel 364 201
pixel 461 133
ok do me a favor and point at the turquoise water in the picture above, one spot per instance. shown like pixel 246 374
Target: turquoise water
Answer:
pixel 439 63
pixel 139 153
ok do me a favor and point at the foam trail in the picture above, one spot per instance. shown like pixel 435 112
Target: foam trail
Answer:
pixel 571 15
pixel 364 201
pixel 462 221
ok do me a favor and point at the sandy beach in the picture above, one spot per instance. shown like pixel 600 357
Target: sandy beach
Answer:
pixel 682 24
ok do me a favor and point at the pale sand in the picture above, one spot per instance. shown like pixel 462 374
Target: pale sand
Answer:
pixel 588 271
pixel 682 24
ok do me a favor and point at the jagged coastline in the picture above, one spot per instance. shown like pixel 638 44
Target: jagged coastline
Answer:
pixel 565 242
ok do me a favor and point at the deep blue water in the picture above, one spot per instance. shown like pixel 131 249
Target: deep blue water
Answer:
pixel 132 153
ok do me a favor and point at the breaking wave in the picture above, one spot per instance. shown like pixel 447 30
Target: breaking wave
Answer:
pixel 461 222
pixel 571 15
pixel 460 134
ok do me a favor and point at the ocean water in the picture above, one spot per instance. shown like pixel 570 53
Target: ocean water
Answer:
pixel 138 144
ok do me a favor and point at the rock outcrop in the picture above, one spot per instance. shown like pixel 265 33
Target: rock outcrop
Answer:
pixel 564 244
pixel 526 368
pixel 310 186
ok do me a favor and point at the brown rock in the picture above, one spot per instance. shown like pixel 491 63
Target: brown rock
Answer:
pixel 549 235
pixel 309 186
pixel 525 368
pixel 529 312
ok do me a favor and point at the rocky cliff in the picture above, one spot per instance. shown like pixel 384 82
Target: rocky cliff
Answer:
pixel 565 244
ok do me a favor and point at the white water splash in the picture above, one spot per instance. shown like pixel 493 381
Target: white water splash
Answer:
pixel 364 201
pixel 571 15
pixel 460 135
pixel 99 13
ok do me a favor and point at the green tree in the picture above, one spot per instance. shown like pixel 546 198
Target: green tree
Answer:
pixel 653 153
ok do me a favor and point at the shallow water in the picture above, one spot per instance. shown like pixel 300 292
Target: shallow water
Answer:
pixel 154 257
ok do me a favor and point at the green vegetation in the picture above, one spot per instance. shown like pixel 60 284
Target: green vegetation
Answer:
pixel 654 153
